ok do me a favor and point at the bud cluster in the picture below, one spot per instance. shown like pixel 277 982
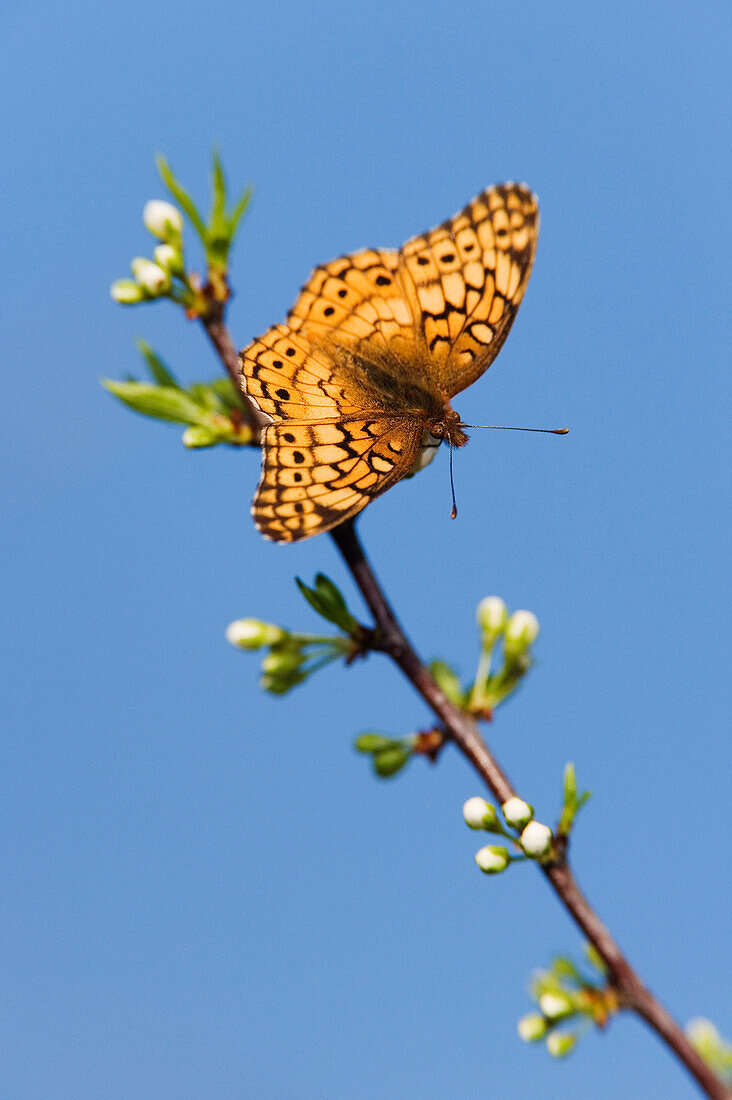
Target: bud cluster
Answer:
pixel 515 634
pixel 290 657
pixel 565 994
pixel 534 840
pixel 165 275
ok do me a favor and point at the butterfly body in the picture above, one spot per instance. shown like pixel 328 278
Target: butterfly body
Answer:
pixel 377 344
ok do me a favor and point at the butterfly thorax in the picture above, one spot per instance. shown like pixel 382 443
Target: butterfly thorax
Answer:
pixel 399 382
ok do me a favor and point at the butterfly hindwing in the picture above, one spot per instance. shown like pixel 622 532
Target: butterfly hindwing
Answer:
pixel 316 475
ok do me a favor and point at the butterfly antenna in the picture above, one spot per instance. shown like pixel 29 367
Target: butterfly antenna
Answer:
pixel 512 428
pixel 453 510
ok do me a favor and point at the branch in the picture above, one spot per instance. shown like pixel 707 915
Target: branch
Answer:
pixel 462 730
pixel 217 332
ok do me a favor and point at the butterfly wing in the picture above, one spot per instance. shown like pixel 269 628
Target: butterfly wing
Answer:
pixel 357 301
pixel 288 378
pixel 314 476
pixel 465 280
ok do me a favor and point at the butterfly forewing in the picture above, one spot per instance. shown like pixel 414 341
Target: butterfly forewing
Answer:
pixel 465 280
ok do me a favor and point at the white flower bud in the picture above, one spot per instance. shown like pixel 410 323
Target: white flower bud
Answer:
pixel 492 859
pixel 517 812
pixel 253 634
pixel 479 814
pixel 559 1043
pixel 162 219
pixel 536 839
pixel 701 1033
pixel 169 259
pixel 126 292
pixel 491 615
pixel 554 1005
pixel 522 630
pixel 150 276
pixel 531 1028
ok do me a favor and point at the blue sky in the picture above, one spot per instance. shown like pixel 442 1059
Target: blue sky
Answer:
pixel 206 893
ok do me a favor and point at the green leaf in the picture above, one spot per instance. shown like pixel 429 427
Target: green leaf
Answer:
pixel 218 221
pixel 205 396
pixel 449 681
pixel 240 208
pixel 161 402
pixel 227 392
pixel 572 803
pixel 389 761
pixel 158 370
pixel 373 742
pixel 565 968
pixel 327 600
pixel 181 195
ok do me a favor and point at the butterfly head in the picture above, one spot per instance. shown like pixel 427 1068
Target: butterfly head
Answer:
pixel 448 426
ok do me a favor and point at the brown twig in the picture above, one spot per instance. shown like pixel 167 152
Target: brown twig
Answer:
pixel 464 733
pixel 217 332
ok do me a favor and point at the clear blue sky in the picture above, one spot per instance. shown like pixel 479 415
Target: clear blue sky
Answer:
pixel 205 891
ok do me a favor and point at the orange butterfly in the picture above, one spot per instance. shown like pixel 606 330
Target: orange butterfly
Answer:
pixel 361 375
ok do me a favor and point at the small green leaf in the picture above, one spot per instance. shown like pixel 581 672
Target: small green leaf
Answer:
pixel 373 742
pixel 181 195
pixel 218 221
pixel 389 761
pixel 157 368
pixel 205 396
pixel 239 210
pixel 227 393
pixel 449 681
pixel 335 602
pixel 572 803
pixel 565 968
pixel 326 599
pixel 161 402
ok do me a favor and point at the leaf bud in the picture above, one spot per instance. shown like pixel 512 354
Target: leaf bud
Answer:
pixel 522 630
pixel 491 615
pixel 492 859
pixel 517 812
pixel 479 814
pixel 536 839
pixel 169 258
pixel 253 634
pixel 532 1027
pixel 126 292
pixel 162 219
pixel 150 276
pixel 555 1005
pixel 559 1043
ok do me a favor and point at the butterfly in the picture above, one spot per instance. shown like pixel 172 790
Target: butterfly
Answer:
pixel 358 380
